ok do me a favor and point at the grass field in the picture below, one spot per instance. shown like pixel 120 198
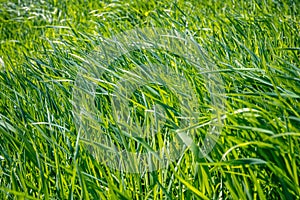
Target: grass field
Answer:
pixel 254 47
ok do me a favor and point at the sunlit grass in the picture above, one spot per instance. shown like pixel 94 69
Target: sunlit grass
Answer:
pixel 255 47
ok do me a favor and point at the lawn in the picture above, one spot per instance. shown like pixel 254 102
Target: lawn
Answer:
pixel 150 99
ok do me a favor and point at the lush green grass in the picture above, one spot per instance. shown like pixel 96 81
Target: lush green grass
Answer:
pixel 254 45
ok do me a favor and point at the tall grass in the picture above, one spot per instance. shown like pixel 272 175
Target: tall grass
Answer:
pixel 255 47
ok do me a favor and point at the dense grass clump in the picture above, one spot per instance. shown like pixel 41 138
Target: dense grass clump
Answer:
pixel 255 48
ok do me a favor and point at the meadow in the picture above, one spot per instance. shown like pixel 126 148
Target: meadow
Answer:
pixel 253 46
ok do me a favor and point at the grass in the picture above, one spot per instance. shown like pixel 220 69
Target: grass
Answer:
pixel 254 46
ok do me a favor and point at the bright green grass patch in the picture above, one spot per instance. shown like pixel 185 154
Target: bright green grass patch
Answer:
pixel 255 45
